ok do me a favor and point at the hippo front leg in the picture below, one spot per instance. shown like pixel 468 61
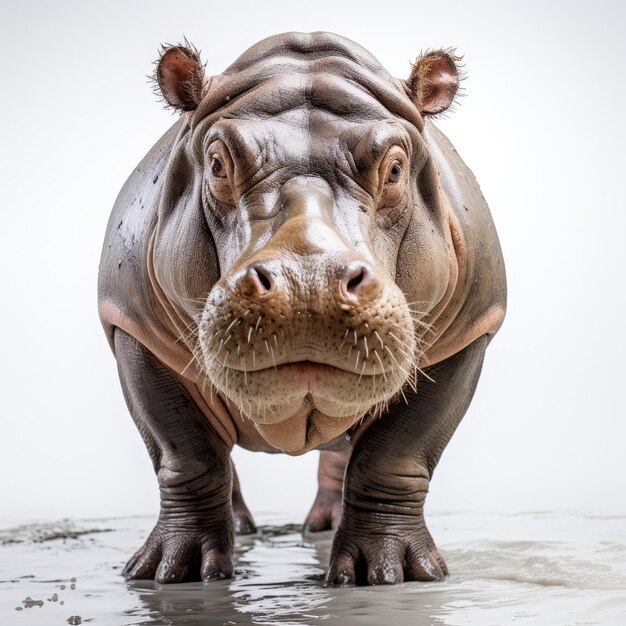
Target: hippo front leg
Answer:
pixel 193 536
pixel 382 537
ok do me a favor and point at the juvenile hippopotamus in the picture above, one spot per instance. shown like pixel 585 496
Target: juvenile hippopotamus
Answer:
pixel 302 262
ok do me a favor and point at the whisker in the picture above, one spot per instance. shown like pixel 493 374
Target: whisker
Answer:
pixel 396 361
pixel 374 386
pixel 343 340
pixel 381 363
pixel 196 300
pixel 231 325
pixel 245 374
pixel 406 345
pixel 361 375
pixel 382 345
pixel 193 358
pixel 187 332
pixel 425 375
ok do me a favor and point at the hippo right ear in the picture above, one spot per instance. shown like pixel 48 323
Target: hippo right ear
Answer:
pixel 434 81
pixel 180 76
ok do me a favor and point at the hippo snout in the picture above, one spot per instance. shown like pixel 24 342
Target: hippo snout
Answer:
pixel 326 330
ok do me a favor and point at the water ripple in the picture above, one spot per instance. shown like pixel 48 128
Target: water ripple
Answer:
pixel 538 568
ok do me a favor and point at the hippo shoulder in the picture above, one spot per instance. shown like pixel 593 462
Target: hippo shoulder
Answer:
pixel 483 279
pixel 123 282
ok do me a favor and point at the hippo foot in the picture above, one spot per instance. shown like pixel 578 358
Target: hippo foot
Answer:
pixel 176 555
pixel 381 557
pixel 325 514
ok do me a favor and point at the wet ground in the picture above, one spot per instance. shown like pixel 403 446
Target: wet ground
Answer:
pixel 537 568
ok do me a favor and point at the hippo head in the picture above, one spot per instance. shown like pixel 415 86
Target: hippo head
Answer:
pixel 302 228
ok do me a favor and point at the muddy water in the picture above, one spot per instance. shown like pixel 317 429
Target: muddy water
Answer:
pixel 536 568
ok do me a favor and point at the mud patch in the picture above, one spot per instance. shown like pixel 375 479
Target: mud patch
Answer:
pixel 40 533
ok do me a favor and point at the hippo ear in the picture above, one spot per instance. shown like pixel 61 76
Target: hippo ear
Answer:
pixel 180 76
pixel 434 81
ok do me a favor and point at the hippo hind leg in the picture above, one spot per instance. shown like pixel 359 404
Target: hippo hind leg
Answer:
pixel 325 514
pixel 242 518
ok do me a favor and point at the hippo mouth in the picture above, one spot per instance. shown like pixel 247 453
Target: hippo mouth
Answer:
pixel 327 387
pixel 309 371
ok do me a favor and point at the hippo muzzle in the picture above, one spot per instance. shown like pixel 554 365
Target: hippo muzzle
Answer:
pixel 304 322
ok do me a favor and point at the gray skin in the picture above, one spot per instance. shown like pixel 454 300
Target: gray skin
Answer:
pixel 301 262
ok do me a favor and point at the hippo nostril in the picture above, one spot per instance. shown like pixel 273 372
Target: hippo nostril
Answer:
pixel 359 282
pixel 264 278
pixel 260 277
pixel 355 281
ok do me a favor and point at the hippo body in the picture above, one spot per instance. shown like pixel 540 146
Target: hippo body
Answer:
pixel 301 262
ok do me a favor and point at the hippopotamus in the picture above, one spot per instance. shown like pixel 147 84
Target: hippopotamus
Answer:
pixel 302 262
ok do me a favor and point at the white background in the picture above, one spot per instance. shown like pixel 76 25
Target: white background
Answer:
pixel 542 127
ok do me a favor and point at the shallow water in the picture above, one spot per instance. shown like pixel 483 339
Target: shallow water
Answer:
pixel 535 568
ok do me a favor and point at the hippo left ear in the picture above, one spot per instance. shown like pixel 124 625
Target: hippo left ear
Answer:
pixel 180 76
pixel 434 81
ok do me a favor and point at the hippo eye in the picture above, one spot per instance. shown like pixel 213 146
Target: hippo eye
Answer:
pixel 395 172
pixel 220 173
pixel 393 185
pixel 217 167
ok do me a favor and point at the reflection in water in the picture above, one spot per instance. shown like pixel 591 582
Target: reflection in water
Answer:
pixel 524 569
pixel 281 578
pixel 278 580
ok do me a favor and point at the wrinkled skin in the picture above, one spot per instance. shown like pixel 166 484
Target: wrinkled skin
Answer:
pixel 302 262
